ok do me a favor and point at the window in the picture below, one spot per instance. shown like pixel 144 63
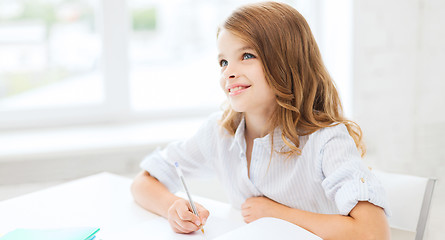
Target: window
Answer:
pixel 48 48
pixel 173 58
pixel 82 61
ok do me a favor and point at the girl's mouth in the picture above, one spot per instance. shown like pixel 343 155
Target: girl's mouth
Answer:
pixel 237 90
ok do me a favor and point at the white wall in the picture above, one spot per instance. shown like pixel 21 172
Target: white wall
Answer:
pixel 399 80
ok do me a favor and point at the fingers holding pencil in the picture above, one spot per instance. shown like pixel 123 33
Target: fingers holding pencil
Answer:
pixel 183 220
pixel 203 213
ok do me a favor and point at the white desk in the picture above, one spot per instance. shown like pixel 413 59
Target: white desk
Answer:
pixel 103 200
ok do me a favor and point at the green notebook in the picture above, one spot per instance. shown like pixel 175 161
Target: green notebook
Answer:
pixel 83 233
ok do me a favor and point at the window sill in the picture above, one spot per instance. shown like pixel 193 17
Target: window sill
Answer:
pixel 93 139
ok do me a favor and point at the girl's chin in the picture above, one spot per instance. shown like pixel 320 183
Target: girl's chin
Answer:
pixel 237 108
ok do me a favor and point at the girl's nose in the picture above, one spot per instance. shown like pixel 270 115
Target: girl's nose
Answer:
pixel 230 72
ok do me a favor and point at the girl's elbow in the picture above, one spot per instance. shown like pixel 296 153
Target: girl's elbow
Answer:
pixel 136 185
pixel 133 187
pixel 376 234
pixel 376 237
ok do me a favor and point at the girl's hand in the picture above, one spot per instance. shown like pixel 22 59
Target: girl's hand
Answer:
pixel 182 219
pixel 257 207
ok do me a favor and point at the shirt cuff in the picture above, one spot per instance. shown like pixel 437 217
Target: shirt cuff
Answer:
pixel 347 190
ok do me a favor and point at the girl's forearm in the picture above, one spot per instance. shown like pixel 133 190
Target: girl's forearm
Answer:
pixel 152 195
pixel 367 224
pixel 323 225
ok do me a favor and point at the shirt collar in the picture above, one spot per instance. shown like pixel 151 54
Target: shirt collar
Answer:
pixel 239 136
pixel 278 143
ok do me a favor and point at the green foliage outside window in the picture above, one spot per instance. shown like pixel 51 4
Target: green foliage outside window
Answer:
pixel 22 81
pixel 144 19
pixel 46 12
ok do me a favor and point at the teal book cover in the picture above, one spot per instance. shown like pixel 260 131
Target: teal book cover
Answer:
pixel 83 233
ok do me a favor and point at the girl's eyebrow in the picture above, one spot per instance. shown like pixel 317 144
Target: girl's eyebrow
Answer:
pixel 245 48
pixel 241 49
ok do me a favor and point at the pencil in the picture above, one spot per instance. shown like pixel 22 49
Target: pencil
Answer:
pixel 192 204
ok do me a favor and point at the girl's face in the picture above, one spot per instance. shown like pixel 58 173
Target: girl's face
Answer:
pixel 242 76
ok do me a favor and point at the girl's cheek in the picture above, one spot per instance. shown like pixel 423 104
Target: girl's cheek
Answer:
pixel 222 84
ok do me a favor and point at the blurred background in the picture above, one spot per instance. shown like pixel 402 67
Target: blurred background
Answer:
pixel 88 86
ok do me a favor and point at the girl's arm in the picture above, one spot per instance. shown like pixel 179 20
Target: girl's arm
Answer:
pixel 365 221
pixel 152 195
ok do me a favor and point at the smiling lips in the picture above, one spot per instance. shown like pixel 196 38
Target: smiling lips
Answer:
pixel 237 89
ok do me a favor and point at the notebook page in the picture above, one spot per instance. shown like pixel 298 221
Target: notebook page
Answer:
pixel 269 228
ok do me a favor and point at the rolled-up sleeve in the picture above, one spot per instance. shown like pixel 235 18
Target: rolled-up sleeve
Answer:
pixel 193 155
pixel 346 179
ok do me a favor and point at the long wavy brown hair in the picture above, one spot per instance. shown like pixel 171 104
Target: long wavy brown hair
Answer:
pixel 305 92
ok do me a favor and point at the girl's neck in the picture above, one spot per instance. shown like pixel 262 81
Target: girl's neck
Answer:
pixel 257 126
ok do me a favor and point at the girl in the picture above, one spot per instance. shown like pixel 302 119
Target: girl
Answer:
pixel 282 147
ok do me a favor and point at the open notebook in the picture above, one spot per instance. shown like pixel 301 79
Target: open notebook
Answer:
pixel 220 229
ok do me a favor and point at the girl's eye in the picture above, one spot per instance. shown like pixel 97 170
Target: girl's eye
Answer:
pixel 223 63
pixel 248 56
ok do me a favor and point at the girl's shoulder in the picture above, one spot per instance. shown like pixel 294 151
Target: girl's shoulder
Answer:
pixel 215 117
pixel 214 123
pixel 335 130
pixel 336 136
pixel 211 123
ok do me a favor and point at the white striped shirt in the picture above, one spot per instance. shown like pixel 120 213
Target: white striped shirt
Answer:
pixel 328 177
